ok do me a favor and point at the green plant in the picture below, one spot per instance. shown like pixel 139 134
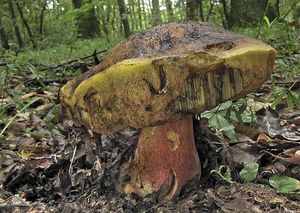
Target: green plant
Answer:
pixel 249 172
pixel 290 97
pixel 284 184
pixel 224 173
pixel 3 84
pixel 228 114
pixel 266 34
pixel 13 118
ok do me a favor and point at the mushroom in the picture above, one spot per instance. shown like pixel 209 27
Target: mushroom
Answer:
pixel 156 81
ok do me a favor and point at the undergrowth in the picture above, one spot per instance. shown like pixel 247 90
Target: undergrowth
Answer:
pixel 33 64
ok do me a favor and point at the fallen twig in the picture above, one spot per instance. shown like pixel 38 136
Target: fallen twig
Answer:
pixel 3 64
pixel 48 81
pixel 94 54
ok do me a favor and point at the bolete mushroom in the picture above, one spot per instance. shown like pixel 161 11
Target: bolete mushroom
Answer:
pixel 157 80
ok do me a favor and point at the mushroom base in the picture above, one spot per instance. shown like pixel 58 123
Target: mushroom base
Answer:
pixel 165 159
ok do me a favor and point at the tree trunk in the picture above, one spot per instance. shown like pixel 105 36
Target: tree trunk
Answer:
pixel 104 18
pixel 211 8
pixel 201 10
pixel 42 17
pixel 14 20
pixel 182 9
pixel 132 15
pixel 249 12
pixel 124 17
pixel 296 15
pixel 192 10
pixel 114 17
pixel 25 24
pixel 107 18
pixel 156 16
pixel 88 25
pixel 225 13
pixel 140 14
pixel 170 13
pixel 3 37
pixel 145 13
pixel 149 11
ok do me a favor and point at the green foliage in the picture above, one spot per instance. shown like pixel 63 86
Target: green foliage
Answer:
pixel 4 75
pixel 285 39
pixel 61 53
pixel 21 110
pixel 226 115
pixel 249 172
pixel 224 173
pixel 284 184
pixel 291 97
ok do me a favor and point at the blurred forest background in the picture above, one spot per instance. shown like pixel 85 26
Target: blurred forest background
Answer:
pixel 54 25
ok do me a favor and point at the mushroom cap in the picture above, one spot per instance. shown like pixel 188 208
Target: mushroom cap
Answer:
pixel 165 73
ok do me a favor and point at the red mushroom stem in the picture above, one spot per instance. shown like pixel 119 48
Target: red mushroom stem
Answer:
pixel 165 159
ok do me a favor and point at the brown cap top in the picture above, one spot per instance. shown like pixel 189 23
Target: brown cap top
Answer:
pixel 171 39
pixel 165 73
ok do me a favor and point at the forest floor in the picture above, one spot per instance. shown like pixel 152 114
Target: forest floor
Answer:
pixel 52 165
pixel 49 164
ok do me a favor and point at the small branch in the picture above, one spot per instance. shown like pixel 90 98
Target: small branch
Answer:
pixel 93 55
pixel 2 64
pixel 49 81
pixel 74 60
pixel 72 160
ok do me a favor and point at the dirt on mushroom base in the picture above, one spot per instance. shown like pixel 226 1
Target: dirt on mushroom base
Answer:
pixel 81 183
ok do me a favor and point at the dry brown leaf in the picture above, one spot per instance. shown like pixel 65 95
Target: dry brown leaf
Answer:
pixel 263 138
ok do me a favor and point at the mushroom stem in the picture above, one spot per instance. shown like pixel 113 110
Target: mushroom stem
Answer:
pixel 165 159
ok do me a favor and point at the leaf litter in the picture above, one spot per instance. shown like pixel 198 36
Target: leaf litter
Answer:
pixel 49 164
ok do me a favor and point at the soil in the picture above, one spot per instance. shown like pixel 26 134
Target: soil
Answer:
pixel 81 176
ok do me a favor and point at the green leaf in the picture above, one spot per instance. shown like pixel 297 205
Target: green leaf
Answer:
pixel 294 94
pixel 274 21
pixel 207 114
pixel 13 118
pixel 297 102
pixel 224 106
pixel 230 134
pixel 289 101
pixel 279 95
pixel 226 176
pixel 266 19
pixel 223 124
pixel 249 172
pixel 284 184
pixel 295 98
pixel 219 122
